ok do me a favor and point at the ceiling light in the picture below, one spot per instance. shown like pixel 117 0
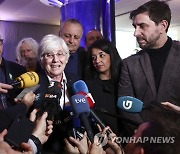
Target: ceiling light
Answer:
pixel 55 3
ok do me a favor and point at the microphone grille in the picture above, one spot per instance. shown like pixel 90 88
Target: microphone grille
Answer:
pixel 28 79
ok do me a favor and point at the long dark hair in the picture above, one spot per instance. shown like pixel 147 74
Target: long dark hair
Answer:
pixel 109 48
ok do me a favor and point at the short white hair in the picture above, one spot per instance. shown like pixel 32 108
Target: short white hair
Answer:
pixel 50 43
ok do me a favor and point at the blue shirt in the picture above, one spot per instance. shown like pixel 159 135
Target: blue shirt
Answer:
pixel 72 65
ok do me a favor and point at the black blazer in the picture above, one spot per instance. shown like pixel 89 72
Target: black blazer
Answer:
pixel 105 97
pixel 9 114
pixel 137 80
pixel 55 142
pixel 12 71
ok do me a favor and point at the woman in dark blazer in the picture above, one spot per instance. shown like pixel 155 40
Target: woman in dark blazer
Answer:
pixel 102 79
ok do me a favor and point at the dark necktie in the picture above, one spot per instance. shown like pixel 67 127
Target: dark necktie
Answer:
pixel 3 104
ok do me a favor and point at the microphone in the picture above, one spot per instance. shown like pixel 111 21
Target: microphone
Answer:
pixel 118 116
pixel 80 87
pixel 26 80
pixel 130 104
pixel 81 109
pixel 50 103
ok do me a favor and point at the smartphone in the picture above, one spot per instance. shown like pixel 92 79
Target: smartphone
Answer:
pixel 26 90
pixel 19 131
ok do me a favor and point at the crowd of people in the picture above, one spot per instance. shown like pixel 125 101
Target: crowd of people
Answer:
pixel 151 75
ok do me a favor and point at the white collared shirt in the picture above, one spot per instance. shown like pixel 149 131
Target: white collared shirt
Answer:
pixel 65 95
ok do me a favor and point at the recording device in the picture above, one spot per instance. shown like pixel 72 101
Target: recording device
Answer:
pixel 26 80
pixel 80 87
pixel 51 100
pixel 117 116
pixel 26 90
pixel 77 130
pixel 19 131
pixel 130 104
pixel 81 109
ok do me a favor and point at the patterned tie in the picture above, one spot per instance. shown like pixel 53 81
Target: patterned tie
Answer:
pixel 3 104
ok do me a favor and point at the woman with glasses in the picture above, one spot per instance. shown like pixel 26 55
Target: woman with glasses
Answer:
pixel 53 94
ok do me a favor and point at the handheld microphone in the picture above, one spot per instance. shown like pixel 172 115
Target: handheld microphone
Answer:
pixel 80 87
pixel 26 80
pixel 118 116
pixel 130 104
pixel 81 109
pixel 50 103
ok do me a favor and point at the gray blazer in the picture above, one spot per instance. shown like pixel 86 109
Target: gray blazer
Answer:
pixel 137 80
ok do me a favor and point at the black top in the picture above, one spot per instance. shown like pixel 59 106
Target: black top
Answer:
pixel 158 58
pixel 104 94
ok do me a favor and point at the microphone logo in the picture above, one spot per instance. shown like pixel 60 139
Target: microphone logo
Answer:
pixel 51 84
pixel 50 96
pixel 127 104
pixel 80 100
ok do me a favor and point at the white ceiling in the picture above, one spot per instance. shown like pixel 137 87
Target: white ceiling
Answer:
pixel 35 11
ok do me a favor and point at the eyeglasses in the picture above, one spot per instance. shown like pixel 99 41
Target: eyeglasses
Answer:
pixel 52 55
pixel 1 41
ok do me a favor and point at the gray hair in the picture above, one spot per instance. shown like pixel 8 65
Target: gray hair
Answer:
pixel 32 44
pixel 50 43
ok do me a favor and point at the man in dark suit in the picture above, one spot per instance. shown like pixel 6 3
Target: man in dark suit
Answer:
pixel 9 71
pixel 153 74
pixel 71 31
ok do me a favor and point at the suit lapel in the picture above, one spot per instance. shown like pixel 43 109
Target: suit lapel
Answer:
pixel 167 71
pixel 146 65
pixel 8 75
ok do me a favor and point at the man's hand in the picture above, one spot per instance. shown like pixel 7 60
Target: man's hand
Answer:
pixel 28 99
pixel 171 106
pixel 5 148
pixel 43 128
pixel 4 88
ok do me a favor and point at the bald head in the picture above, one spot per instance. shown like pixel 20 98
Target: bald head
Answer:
pixel 71 31
pixel 92 36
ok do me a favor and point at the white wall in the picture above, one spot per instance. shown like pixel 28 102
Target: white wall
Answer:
pixel 126 42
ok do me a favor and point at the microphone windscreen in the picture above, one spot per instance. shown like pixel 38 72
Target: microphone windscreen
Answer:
pixel 130 104
pixel 28 79
pixel 79 105
pixel 79 86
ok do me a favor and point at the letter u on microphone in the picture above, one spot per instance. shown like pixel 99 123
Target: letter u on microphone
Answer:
pixel 130 104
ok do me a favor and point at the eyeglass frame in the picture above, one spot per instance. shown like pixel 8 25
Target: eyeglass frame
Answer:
pixel 52 55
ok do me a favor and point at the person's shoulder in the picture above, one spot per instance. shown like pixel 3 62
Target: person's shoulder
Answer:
pixel 176 45
pixel 135 56
pixel 15 65
pixel 81 51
